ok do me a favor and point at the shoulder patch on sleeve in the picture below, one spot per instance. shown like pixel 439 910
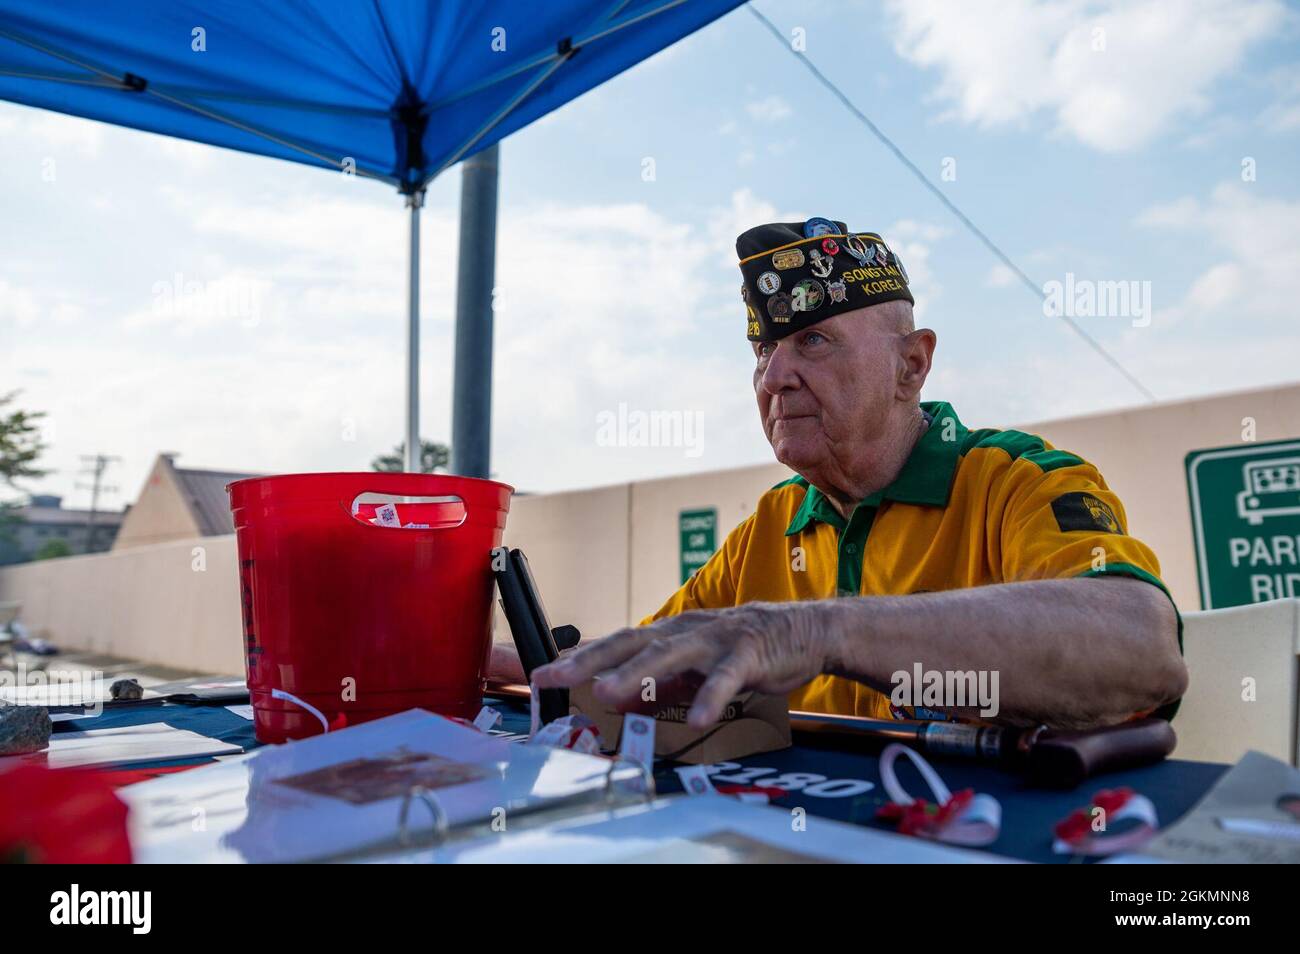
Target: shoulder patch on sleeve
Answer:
pixel 1083 511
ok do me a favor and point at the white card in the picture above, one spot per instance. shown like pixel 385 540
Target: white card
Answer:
pixel 487 719
pixel 695 779
pixel 551 734
pixel 638 744
pixel 534 710
pixel 136 743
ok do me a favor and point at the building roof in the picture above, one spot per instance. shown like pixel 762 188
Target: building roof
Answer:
pixel 50 516
pixel 205 492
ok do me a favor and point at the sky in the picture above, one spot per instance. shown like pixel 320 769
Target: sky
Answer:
pixel 1153 142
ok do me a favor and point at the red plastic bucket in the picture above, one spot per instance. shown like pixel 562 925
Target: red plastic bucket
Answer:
pixel 363 620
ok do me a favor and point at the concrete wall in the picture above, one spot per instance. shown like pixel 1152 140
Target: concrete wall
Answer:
pixel 578 548
pixel 1141 451
pixel 607 557
pixel 655 554
pixel 150 603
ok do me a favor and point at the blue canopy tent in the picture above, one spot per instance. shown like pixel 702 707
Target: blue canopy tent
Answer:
pixel 393 90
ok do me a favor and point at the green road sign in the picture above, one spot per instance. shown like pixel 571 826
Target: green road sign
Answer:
pixel 698 530
pixel 1246 522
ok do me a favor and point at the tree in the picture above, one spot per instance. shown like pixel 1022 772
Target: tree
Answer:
pixel 52 550
pixel 20 446
pixel 20 443
pixel 434 458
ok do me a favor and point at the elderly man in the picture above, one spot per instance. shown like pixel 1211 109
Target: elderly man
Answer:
pixel 906 542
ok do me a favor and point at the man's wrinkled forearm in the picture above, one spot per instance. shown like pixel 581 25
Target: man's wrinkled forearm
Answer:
pixel 1067 652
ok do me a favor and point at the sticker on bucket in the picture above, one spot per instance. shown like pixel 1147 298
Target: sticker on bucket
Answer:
pixel 251 649
pixel 408 513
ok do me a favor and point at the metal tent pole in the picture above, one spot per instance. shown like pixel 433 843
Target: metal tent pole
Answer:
pixel 413 201
pixel 471 416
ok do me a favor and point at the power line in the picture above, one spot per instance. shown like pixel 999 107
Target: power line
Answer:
pixel 938 193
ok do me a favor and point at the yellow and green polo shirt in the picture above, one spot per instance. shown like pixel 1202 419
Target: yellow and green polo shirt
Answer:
pixel 968 508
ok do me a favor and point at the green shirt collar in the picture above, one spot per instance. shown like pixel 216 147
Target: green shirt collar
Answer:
pixel 926 478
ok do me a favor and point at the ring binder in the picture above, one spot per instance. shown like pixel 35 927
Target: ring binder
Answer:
pixel 430 800
pixel 647 779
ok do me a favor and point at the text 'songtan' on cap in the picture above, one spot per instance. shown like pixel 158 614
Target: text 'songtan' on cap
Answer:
pixel 797 273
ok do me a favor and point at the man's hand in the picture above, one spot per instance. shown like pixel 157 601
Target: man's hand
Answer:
pixel 768 647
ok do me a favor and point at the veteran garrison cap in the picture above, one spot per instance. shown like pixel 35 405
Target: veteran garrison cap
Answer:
pixel 797 273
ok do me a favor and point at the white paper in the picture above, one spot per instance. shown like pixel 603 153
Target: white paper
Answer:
pixel 682 829
pixel 70 716
pixel 244 711
pixel 342 792
pixel 1250 798
pixel 135 743
pixel 1281 830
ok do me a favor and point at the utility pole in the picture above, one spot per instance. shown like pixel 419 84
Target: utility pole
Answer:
pixel 96 464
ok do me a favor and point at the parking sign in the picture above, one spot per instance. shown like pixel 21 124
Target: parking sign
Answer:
pixel 697 533
pixel 1246 522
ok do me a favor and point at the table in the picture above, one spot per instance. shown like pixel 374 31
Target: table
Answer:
pixel 826 777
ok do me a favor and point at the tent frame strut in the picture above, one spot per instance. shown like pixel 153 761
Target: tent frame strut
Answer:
pixel 414 447
pixel 130 82
pixel 133 83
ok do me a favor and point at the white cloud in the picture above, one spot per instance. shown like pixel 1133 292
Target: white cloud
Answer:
pixel 1283 114
pixel 744 211
pixel 582 326
pixel 59 132
pixel 18 305
pixel 1250 246
pixel 770 109
pixel 1179 213
pixel 198 156
pixel 1114 75
pixel 1233 326
pixel 912 241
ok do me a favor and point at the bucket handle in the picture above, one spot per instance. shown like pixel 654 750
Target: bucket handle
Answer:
pixel 472 492
pixel 350 509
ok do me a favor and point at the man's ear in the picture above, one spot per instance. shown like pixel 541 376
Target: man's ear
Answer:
pixel 917 352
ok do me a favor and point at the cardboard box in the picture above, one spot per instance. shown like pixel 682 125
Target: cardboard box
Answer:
pixel 752 723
